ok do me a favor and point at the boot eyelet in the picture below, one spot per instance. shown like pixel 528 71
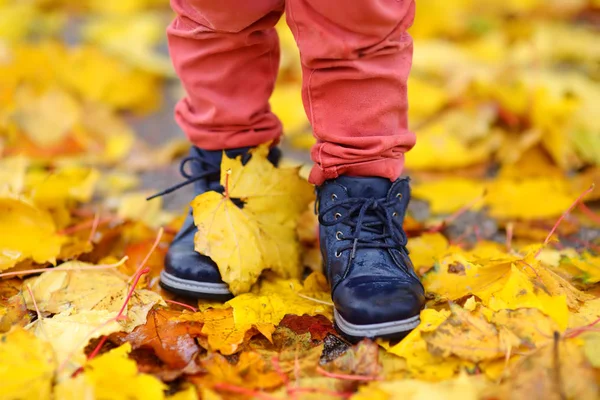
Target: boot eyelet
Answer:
pixel 333 197
pixel 337 216
pixel 394 214
pixel 399 196
pixel 339 235
pixel 338 255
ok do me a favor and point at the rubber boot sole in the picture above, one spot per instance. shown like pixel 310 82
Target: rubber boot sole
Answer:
pixel 194 289
pixel 392 330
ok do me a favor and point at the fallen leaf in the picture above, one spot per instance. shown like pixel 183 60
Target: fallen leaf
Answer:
pixel 112 376
pixel 421 364
pixel 68 334
pixel 464 335
pixel 171 337
pixel 249 371
pixel 448 195
pixel 27 366
pixel 67 289
pixel 46 118
pixel 426 249
pixel 26 232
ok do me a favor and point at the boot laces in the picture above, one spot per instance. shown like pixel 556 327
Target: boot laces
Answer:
pixel 210 168
pixel 370 215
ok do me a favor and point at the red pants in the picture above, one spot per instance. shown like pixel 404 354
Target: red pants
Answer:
pixel 356 57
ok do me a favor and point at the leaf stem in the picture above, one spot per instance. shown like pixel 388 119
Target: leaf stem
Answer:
pixel 227 174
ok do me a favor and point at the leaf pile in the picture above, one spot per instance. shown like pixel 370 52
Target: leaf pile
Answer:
pixel 503 229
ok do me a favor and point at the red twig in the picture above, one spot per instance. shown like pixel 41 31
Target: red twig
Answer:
pixel 135 282
pixel 589 213
pixel 94 226
pixel 194 309
pixel 227 174
pixel 136 279
pixel 577 200
pixel 578 331
pixel 87 224
pixel 96 350
pixel 510 229
pixel 119 316
pixel 37 310
pixel 345 377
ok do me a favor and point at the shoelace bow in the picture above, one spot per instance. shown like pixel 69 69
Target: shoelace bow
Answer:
pixel 209 167
pixel 382 226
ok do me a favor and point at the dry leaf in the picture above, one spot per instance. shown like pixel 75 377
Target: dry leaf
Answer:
pixel 112 376
pixel 26 232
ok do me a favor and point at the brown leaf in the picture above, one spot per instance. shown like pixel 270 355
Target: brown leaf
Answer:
pixel 170 336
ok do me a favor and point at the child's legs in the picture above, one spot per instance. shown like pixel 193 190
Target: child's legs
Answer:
pixel 356 57
pixel 226 53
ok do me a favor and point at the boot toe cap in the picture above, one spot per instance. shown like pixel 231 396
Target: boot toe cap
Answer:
pixel 376 300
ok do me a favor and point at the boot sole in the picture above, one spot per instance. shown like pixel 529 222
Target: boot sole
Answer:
pixel 194 289
pixel 393 330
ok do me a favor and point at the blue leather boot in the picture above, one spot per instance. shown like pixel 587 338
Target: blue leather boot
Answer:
pixel 187 272
pixel 374 288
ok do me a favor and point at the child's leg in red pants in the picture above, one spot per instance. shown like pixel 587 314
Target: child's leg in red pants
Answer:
pixel 356 56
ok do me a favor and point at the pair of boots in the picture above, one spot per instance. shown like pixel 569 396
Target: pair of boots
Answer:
pixel 374 288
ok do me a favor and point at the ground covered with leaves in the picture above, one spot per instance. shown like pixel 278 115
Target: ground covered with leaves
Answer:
pixel 503 228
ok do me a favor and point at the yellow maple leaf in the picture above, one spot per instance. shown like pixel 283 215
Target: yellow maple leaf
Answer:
pixel 266 306
pixel 27 366
pixel 112 375
pixel 260 235
pixel 271 299
pixel 26 232
pixel 221 333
